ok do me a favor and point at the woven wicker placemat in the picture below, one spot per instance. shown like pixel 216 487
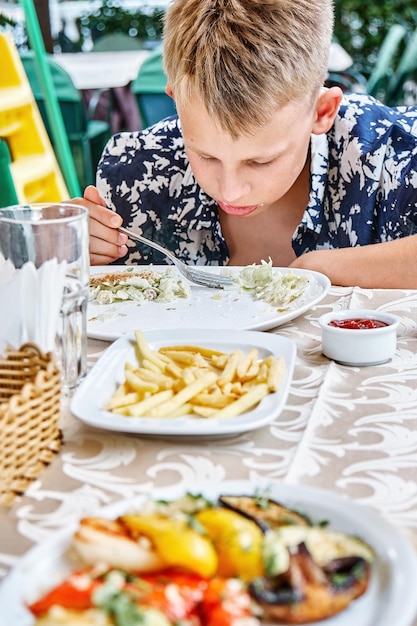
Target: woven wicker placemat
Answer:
pixel 30 409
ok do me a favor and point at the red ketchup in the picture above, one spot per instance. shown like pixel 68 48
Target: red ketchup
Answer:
pixel 358 323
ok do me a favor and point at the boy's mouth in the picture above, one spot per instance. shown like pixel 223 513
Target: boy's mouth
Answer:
pixel 237 210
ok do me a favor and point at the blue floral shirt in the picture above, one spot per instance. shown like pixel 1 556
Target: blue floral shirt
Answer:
pixel 363 186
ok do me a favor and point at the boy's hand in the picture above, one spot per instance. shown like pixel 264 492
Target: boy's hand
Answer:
pixel 106 243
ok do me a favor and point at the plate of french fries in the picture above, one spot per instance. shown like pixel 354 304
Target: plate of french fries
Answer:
pixel 188 383
pixel 234 307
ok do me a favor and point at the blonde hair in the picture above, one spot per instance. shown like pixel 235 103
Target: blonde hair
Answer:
pixel 246 58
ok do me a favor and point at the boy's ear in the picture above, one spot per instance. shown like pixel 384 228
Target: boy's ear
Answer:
pixel 169 91
pixel 326 109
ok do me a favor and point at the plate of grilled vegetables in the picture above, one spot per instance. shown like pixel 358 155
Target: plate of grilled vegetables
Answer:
pixel 234 554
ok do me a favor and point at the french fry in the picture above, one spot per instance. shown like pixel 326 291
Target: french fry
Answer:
pixel 203 411
pixel 118 400
pixel 244 403
pixel 151 366
pixel 252 372
pixel 184 395
pixel 220 361
pixel 246 363
pixel 187 358
pixel 230 368
pixel 236 389
pixel 206 352
pixel 183 409
pixel 121 410
pixel 188 376
pixel 262 376
pixel 172 369
pixel 227 389
pixel 276 370
pixel 213 400
pixel 146 406
pixel 159 379
pixel 138 384
pixel 145 351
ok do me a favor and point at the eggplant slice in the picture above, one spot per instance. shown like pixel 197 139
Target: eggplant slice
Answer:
pixel 266 513
pixel 309 593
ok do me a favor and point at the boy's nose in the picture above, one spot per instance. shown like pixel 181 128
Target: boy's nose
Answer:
pixel 233 189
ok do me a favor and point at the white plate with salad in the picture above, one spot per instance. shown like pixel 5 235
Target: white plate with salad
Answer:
pixel 263 297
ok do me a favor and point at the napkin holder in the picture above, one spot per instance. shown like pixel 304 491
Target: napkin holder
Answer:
pixel 30 407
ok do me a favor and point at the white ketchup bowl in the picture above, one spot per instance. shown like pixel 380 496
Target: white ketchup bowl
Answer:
pixel 359 337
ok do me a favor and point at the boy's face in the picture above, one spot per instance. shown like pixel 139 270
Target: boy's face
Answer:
pixel 252 173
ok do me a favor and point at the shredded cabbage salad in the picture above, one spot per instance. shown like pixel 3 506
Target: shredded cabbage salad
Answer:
pixel 138 286
pixel 281 290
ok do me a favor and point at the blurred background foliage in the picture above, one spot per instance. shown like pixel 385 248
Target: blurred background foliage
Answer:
pixel 144 23
pixel 360 27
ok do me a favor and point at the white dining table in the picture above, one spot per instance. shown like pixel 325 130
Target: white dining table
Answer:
pixel 349 430
pixel 102 70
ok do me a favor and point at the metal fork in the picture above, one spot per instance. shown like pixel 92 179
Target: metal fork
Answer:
pixel 191 273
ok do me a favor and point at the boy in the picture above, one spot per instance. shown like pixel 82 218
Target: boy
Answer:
pixel 262 161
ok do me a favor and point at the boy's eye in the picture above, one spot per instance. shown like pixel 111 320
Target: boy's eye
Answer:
pixel 261 163
pixel 205 158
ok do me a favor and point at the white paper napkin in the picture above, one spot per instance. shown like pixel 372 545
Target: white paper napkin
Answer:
pixel 10 323
pixel 30 303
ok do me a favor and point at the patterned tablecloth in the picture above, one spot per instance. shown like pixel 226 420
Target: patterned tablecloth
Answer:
pixel 346 429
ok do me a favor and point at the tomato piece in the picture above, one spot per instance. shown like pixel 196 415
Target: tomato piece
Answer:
pixel 224 602
pixel 175 594
pixel 75 592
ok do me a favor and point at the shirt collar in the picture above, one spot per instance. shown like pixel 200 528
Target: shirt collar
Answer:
pixel 319 158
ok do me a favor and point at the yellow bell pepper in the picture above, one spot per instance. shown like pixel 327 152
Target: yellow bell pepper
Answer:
pixel 238 542
pixel 175 542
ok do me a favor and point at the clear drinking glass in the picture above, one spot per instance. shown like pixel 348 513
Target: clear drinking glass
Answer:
pixel 44 279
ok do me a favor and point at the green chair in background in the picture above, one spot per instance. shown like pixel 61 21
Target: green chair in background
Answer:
pixel 149 89
pixel 8 195
pixel 405 72
pixel 384 68
pixel 87 137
